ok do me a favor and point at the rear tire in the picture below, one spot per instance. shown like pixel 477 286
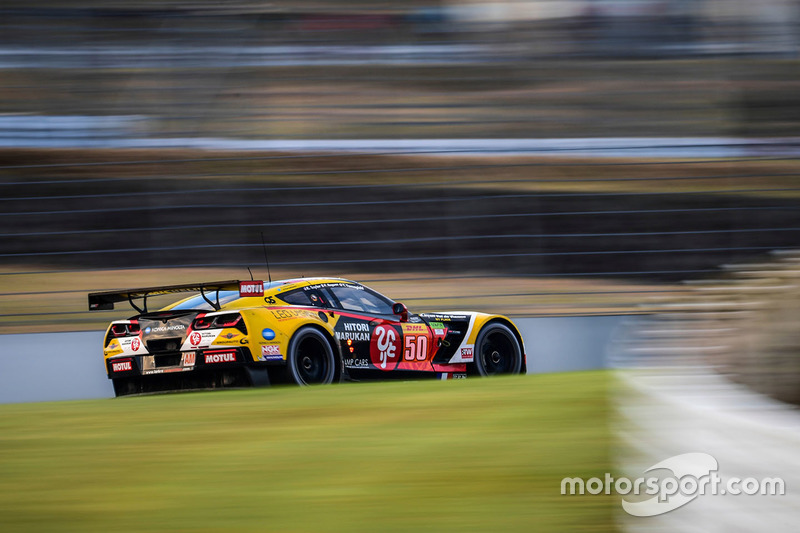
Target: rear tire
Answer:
pixel 310 360
pixel 497 351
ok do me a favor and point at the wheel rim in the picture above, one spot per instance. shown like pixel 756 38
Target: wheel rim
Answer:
pixel 313 363
pixel 498 353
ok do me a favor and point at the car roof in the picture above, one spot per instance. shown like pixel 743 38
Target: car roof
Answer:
pixel 273 288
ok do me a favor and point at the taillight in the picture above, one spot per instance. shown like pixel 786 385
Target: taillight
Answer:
pixel 131 329
pixel 125 330
pixel 203 323
pixel 228 320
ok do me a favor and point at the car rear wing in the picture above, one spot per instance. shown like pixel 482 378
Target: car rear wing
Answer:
pixel 103 301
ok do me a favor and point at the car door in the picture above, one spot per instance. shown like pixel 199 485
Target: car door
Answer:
pixel 372 337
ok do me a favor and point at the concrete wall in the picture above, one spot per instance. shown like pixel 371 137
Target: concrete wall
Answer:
pixel 68 366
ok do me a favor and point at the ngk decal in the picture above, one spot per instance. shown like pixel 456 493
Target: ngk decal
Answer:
pixel 384 348
pixel 251 288
pixel 225 357
pixel 122 366
pixel 135 344
pixel 271 352
pixel 271 349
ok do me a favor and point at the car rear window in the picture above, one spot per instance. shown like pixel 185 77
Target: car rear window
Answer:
pixel 198 302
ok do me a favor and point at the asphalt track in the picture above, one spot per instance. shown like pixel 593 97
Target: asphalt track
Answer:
pixel 69 366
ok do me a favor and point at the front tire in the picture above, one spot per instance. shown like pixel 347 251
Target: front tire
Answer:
pixel 310 360
pixel 497 351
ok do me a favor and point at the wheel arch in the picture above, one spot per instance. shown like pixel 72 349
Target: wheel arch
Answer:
pixel 510 325
pixel 337 352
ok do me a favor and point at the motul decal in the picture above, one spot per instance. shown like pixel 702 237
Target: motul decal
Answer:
pixel 251 288
pixel 122 366
pixel 224 357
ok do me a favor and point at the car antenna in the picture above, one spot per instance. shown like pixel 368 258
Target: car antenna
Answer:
pixel 264 245
pixel 251 273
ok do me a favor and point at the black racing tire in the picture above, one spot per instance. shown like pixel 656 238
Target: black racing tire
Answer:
pixel 497 351
pixel 310 360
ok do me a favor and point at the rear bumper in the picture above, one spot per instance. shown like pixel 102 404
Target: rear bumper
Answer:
pixel 125 366
pixel 198 369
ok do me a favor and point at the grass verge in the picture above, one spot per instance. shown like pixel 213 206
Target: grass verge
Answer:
pixel 477 455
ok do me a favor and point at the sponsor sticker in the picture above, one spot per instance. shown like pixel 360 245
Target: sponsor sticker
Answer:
pixel 220 357
pixel 271 349
pixel 122 366
pixel 271 352
pixel 161 329
pixel 268 334
pixel 136 344
pixel 384 347
pixel 454 375
pixel 356 363
pixel 251 288
pixel 188 359
pixel 195 338
pixel 414 328
pixel 355 331
pixel 466 354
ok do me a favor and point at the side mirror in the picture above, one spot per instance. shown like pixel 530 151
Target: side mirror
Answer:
pixel 400 310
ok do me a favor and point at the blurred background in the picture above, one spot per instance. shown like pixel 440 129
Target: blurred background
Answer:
pixel 567 156
pixel 536 158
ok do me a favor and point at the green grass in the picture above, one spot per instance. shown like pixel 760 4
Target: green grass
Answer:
pixel 475 455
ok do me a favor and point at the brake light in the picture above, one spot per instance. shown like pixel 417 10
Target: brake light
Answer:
pixel 228 320
pixel 203 323
pixel 125 330
pixel 131 329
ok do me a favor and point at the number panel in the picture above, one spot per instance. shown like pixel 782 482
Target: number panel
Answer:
pixel 416 347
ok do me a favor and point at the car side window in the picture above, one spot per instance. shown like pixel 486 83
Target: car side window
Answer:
pixel 352 298
pixel 303 297
pixel 295 298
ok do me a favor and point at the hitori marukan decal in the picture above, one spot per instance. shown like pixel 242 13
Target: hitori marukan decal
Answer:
pixel 200 339
pixel 132 346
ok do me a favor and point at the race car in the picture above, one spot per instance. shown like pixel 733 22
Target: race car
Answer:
pixel 306 331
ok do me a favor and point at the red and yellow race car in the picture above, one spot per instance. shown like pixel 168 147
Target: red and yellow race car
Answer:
pixel 305 331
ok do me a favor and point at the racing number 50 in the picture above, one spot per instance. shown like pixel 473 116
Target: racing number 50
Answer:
pixel 416 347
